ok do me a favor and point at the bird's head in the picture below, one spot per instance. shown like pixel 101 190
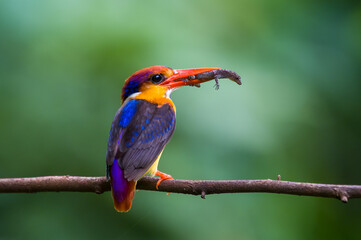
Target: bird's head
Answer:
pixel 164 80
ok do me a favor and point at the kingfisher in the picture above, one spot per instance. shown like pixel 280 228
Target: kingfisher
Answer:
pixel 145 123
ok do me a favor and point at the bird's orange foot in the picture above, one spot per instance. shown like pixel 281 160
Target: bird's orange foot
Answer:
pixel 162 176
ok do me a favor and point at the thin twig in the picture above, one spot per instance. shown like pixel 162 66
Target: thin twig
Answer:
pixel 202 188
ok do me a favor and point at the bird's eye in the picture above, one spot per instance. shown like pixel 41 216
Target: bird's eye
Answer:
pixel 157 78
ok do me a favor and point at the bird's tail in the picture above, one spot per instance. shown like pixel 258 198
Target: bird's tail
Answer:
pixel 122 190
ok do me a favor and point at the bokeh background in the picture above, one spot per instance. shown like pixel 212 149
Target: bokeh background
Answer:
pixel 297 114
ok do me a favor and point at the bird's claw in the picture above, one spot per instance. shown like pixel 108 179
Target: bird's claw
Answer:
pixel 163 176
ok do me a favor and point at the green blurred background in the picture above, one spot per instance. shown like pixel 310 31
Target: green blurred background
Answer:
pixel 297 114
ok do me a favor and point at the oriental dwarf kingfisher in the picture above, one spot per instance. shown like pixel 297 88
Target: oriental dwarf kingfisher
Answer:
pixel 145 123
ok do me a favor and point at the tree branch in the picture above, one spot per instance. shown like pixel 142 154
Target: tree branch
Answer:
pixel 100 185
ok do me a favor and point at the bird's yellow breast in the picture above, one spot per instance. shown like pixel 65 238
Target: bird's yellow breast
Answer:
pixel 153 169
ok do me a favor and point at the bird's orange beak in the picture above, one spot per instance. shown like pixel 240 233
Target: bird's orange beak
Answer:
pixel 196 76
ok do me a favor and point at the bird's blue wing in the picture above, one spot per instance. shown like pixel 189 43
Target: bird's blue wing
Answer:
pixel 139 132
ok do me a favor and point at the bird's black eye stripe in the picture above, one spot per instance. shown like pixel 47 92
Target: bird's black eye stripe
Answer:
pixel 157 78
